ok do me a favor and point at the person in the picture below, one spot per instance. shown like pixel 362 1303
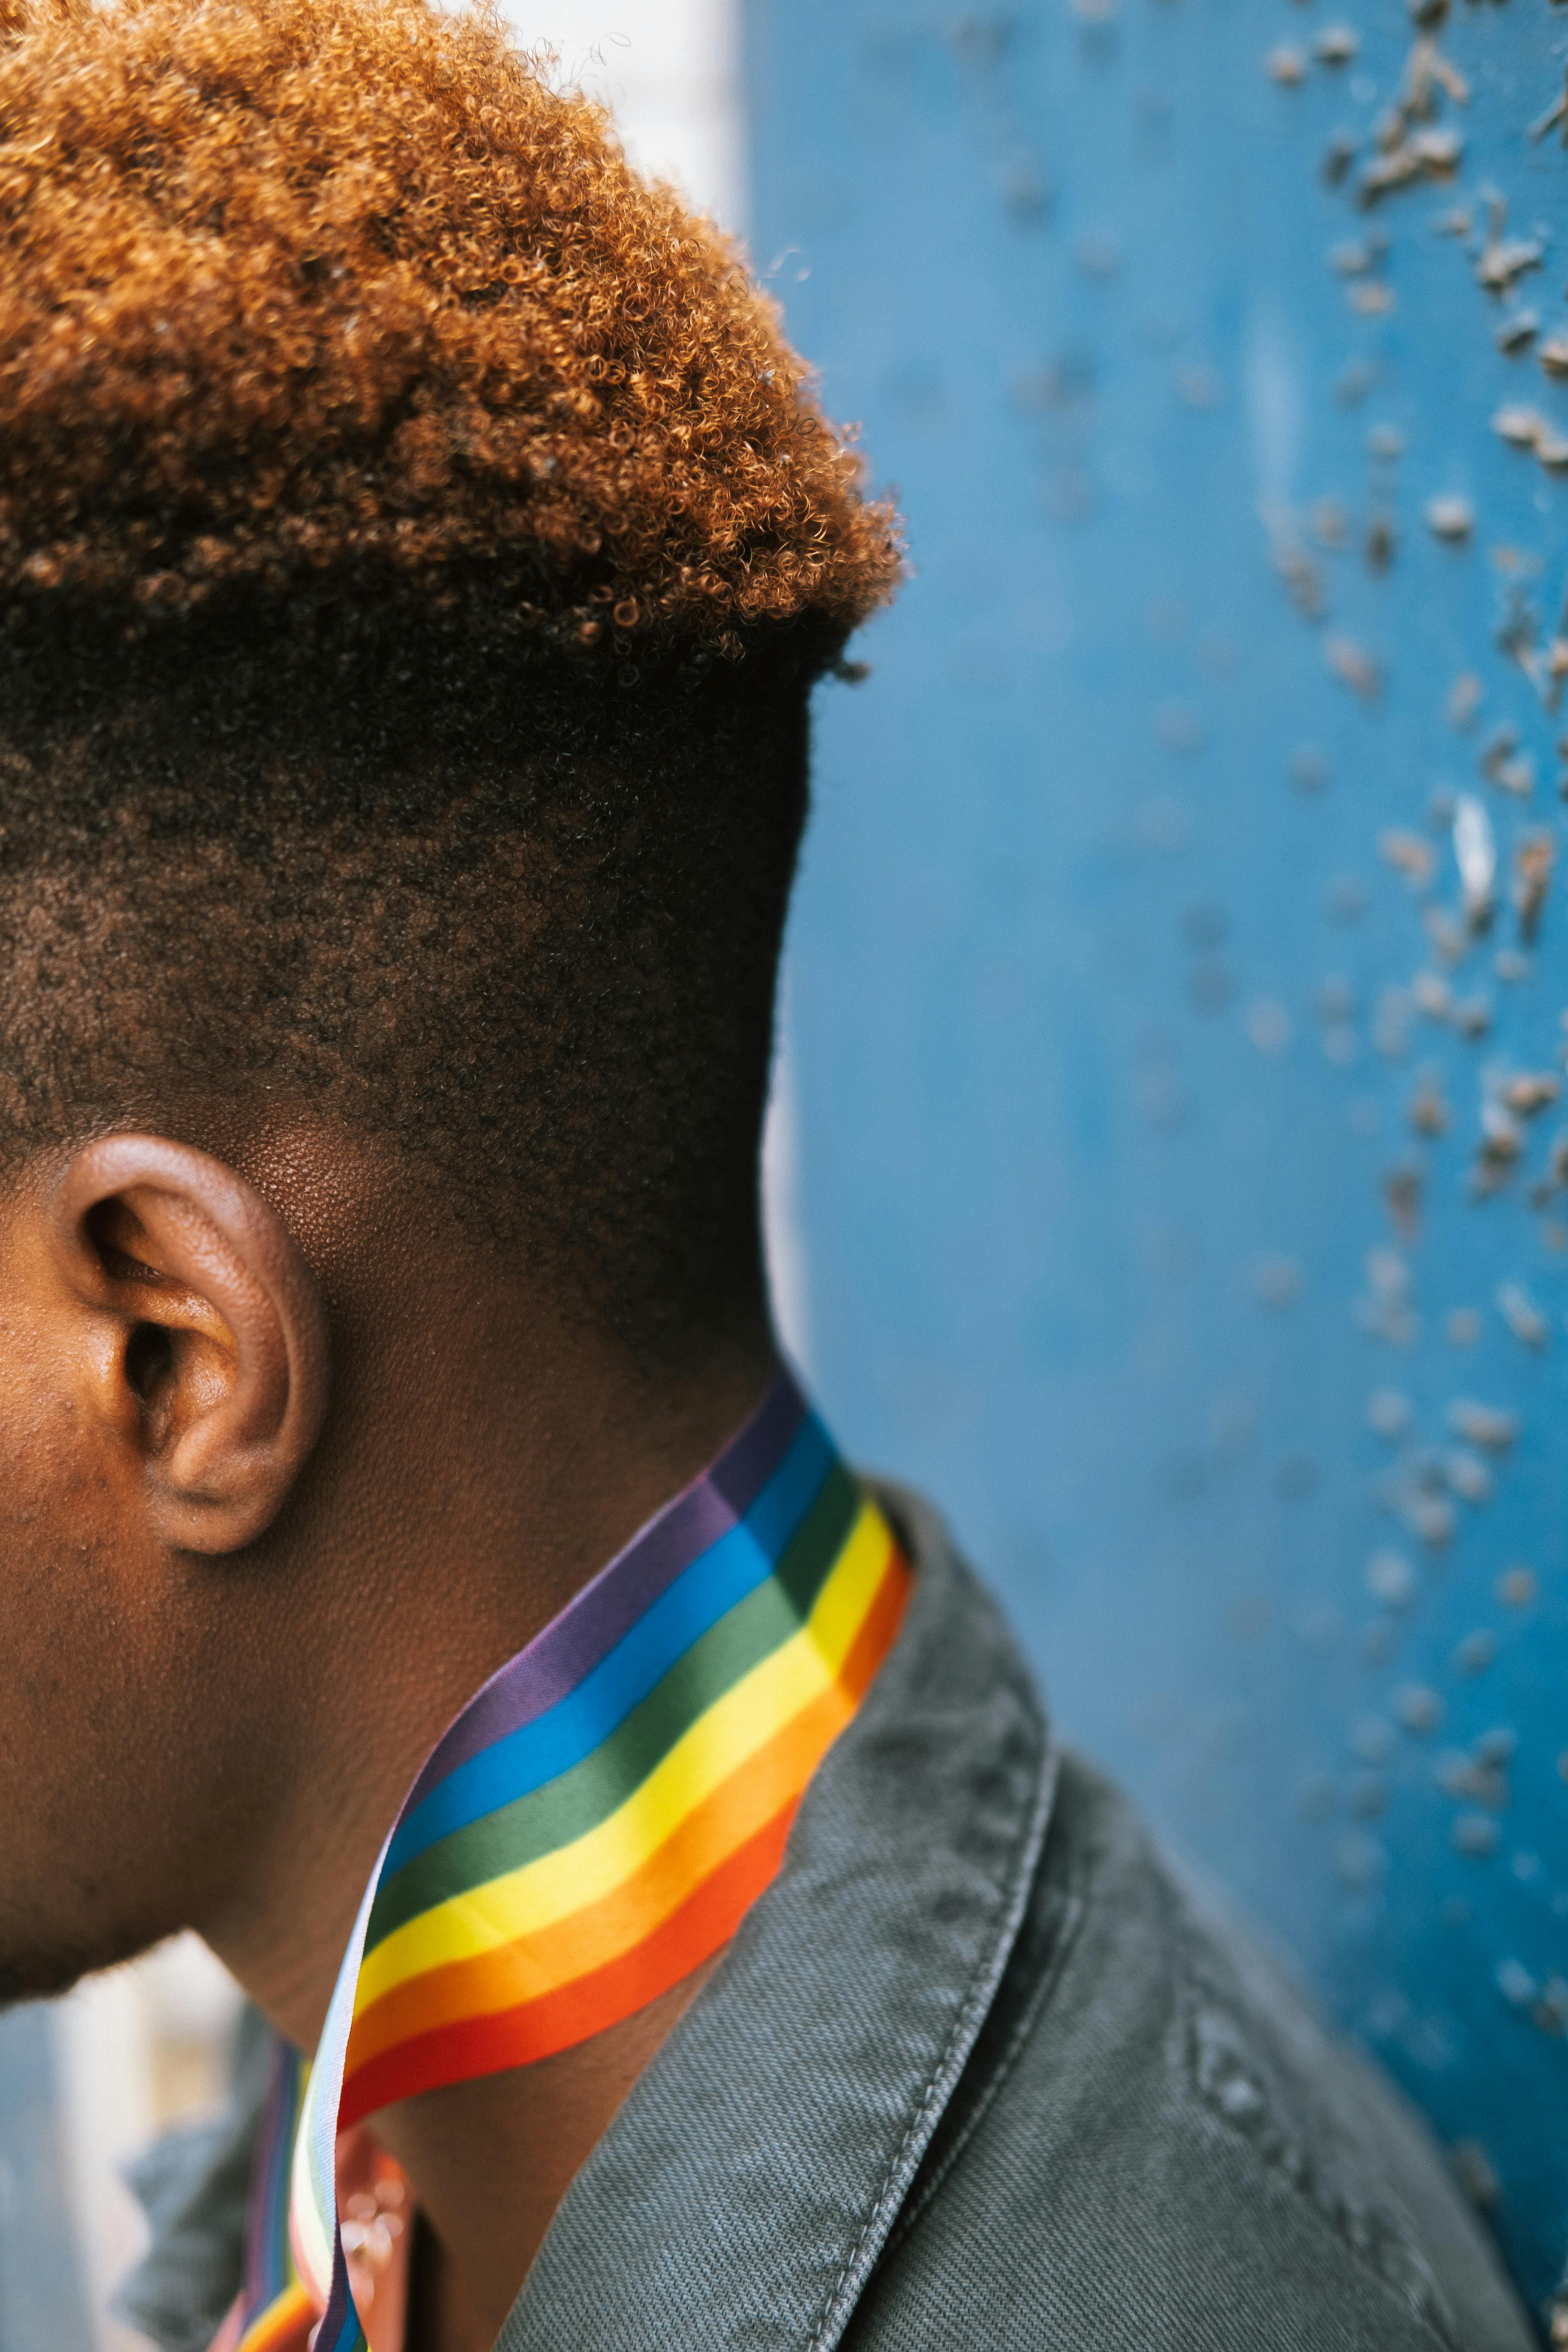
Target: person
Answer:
pixel 669 1916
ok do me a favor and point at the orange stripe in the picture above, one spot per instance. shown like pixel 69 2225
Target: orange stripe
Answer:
pixel 878 1629
pixel 534 1966
pixel 539 2028
pixel 285 2321
pixel 532 1995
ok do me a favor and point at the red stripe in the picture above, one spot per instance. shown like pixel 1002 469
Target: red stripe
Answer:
pixel 467 2047
pixel 557 2021
pixel 532 1965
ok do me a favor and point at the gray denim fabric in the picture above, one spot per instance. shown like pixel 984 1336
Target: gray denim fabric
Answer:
pixel 982 2072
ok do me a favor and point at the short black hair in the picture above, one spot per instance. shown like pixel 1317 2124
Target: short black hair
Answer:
pixel 418 546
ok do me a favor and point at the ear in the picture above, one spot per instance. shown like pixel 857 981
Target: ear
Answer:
pixel 208 1352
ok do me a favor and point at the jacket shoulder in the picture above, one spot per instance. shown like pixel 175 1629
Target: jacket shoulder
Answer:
pixel 1156 2143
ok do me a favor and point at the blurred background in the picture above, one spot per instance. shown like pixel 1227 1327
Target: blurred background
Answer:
pixel 1168 1167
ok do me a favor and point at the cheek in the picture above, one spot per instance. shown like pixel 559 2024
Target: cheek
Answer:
pixel 75 1722
pixel 94 1863
pixel 124 1733
pixel 57 1604
pixel 87 1753
pixel 61 1520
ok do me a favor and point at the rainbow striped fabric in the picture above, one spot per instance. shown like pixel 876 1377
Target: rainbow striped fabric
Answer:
pixel 281 2308
pixel 601 1816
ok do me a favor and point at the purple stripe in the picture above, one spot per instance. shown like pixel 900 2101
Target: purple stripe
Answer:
pixel 341 2329
pixel 261 2283
pixel 605 1612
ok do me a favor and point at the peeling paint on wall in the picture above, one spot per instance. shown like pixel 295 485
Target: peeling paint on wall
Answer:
pixel 1181 973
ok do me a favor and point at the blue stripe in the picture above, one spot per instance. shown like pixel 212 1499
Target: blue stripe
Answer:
pixel 267 2239
pixel 282 2165
pixel 585 1717
pixel 350 2336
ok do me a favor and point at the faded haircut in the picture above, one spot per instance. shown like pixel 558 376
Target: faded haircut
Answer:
pixel 417 545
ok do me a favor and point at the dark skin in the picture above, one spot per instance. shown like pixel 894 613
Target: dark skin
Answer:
pixel 289 1466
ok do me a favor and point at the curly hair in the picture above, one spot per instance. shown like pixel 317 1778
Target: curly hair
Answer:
pixel 418 544
pixel 326 281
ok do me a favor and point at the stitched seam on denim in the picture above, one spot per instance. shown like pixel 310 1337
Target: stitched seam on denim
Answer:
pixel 1270 2158
pixel 1431 2332
pixel 1013 1893
pixel 1071 1919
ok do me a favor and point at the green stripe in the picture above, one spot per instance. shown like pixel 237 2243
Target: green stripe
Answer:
pixel 576 1801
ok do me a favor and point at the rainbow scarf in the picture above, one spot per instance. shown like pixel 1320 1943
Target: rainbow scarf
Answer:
pixel 279 2305
pixel 601 1816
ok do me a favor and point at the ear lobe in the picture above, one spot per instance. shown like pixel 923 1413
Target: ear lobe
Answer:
pixel 209 1354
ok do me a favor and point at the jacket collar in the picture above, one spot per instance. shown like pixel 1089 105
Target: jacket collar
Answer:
pixel 749 2182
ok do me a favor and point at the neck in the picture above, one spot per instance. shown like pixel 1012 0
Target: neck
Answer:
pixel 438 1536
pixel 535 2126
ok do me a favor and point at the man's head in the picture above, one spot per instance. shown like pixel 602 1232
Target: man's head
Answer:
pixel 416 549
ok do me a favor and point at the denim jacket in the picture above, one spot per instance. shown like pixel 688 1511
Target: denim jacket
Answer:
pixel 981 2072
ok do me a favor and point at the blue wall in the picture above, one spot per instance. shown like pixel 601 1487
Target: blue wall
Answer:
pixel 1165 1156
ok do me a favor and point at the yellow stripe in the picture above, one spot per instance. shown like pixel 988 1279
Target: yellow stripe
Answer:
pixel 284 2317
pixel 742 1721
